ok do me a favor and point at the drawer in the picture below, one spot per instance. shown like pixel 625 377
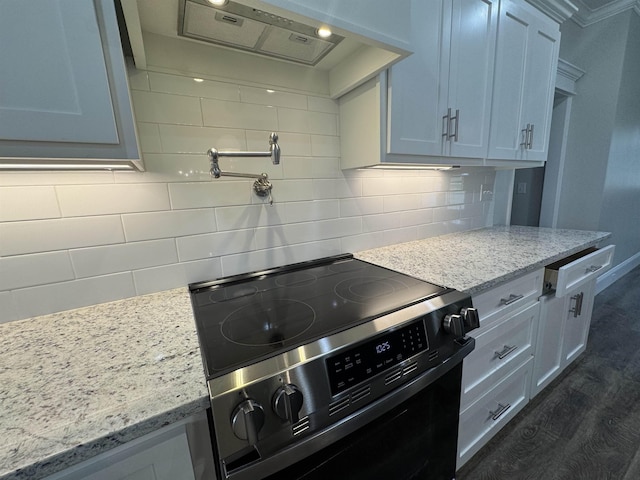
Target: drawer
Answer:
pixel 578 269
pixel 482 420
pixel 500 349
pixel 509 297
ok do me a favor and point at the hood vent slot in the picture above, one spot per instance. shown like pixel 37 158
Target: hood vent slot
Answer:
pixel 253 30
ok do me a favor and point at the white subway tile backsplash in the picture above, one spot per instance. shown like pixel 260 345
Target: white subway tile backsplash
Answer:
pixel 84 200
pixel 132 233
pixel 443 214
pixel 290 234
pixel 216 193
pixel 220 113
pixel 400 235
pixel 37 269
pixel 149 138
pixel 197 140
pixel 303 121
pixel 365 241
pixel 167 277
pixel 325 146
pixel 211 245
pixel 243 217
pixel 268 96
pixel 311 167
pixel 164 108
pixel 350 207
pixel 168 224
pixel 261 259
pixel 292 190
pixel 337 188
pixel 321 104
pixel 91 262
pixel 28 203
pixel 193 86
pixel 59 234
pixel 398 203
pixel 34 301
pixel 311 211
pixel 7 311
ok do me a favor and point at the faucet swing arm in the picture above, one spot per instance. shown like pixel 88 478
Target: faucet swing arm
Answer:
pixel 262 187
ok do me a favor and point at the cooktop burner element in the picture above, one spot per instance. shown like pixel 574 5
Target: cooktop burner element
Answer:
pixel 250 317
pixel 269 323
pixel 363 290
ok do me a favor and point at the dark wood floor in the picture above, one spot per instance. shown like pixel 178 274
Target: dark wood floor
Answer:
pixel 586 424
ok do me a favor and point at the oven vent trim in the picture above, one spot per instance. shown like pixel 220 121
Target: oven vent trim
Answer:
pixel 302 426
pixel 361 393
pixel 339 406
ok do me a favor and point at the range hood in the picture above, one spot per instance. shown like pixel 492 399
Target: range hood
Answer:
pixel 253 30
pixel 274 42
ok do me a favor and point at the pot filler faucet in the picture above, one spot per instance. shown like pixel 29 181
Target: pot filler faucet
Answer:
pixel 262 186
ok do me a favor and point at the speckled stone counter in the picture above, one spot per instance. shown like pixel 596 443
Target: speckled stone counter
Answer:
pixel 77 383
pixel 477 260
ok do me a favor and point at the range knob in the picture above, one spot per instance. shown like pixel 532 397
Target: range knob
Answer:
pixel 471 318
pixel 454 324
pixel 247 420
pixel 287 402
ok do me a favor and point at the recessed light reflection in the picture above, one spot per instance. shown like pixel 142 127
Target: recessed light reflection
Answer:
pixel 324 32
pixel 198 80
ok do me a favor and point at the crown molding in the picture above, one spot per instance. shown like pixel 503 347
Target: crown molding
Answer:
pixel 567 75
pixel 586 16
pixel 559 10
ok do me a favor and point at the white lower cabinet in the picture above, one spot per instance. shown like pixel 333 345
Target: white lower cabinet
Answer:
pixel 496 376
pixel 499 351
pixel 489 413
pixel 181 451
pixel 562 333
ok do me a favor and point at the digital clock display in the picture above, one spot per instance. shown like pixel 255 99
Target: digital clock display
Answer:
pixel 374 356
pixel 383 347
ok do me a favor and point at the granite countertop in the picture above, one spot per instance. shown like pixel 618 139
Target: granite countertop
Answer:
pixel 75 384
pixel 477 260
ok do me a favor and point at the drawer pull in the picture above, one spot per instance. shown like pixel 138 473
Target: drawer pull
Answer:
pixel 505 351
pixel 593 268
pixel 498 413
pixel 512 298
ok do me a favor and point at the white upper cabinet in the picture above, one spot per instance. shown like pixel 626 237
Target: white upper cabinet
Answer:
pixel 525 70
pixel 440 97
pixel 64 91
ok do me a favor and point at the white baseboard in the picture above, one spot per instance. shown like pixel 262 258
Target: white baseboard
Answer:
pixel 608 278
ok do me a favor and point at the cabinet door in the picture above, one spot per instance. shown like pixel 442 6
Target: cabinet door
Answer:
pixel 53 75
pixel 526 58
pixel 417 85
pixel 548 353
pixel 578 320
pixel 470 83
pixel 539 88
pixel 64 91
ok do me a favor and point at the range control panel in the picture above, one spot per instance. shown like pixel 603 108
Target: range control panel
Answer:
pixel 370 358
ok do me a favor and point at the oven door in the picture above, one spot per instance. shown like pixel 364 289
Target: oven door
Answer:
pixel 416 439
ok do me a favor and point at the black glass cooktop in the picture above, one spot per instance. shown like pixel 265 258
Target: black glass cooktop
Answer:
pixel 246 318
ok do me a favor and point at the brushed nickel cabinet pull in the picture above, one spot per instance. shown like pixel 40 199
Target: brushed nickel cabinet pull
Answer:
pixel 593 268
pixel 445 124
pixel 512 298
pixel 501 410
pixel 530 145
pixel 505 351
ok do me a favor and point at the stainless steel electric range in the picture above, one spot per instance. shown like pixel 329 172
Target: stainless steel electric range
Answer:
pixel 313 369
